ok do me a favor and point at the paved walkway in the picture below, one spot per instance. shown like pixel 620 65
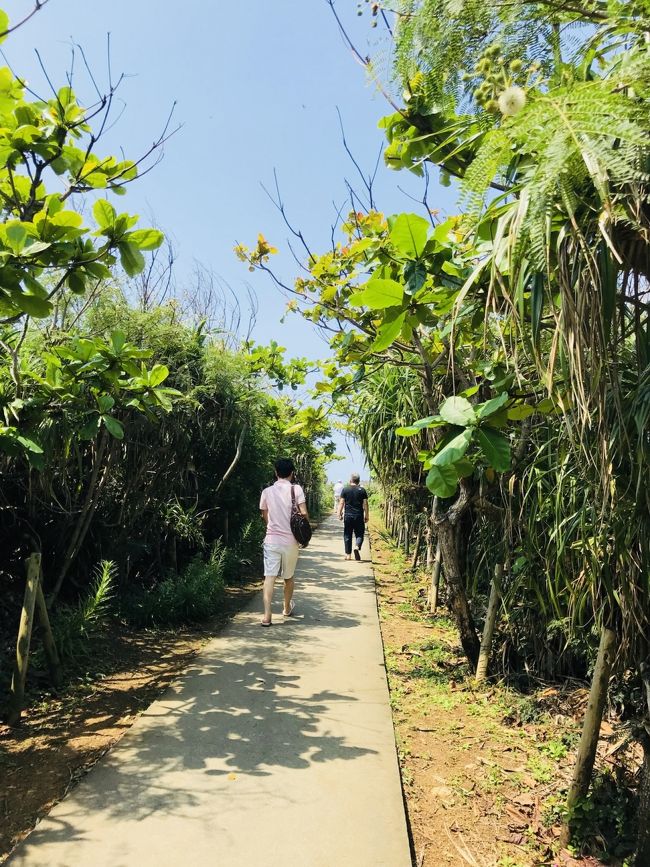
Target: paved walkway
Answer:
pixel 275 748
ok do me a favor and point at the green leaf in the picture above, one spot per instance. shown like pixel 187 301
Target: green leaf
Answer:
pixel 420 424
pixel 520 412
pixel 485 410
pixel 454 450
pixel 113 426
pixel 458 410
pixel 30 445
pixel 104 213
pixel 387 334
pixel 131 258
pixel 77 283
pixel 158 374
pixel 4 24
pixel 379 294
pixel 16 237
pixel 546 406
pixel 415 275
pixel 33 305
pixel 408 234
pixel 442 481
pixel 294 428
pixel 496 449
pixel 442 230
pixel 464 468
pixel 146 239
pixel 118 339
pixel 105 402
pixel 89 430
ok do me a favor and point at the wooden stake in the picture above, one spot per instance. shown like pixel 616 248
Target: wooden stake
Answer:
pixel 17 696
pixel 51 653
pixel 418 543
pixel 435 581
pixel 591 726
pixel 490 620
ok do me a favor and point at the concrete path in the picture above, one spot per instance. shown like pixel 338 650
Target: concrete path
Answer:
pixel 275 748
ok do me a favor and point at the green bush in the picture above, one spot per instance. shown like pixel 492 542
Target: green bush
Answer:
pixel 191 597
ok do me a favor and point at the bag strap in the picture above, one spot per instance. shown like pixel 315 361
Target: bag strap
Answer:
pixel 293 499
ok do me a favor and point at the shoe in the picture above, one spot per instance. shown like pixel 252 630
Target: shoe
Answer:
pixel 348 556
pixel 357 555
pixel 291 609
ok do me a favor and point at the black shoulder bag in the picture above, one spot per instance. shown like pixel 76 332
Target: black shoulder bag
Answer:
pixel 300 526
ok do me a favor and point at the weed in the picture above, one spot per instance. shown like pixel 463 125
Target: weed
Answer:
pixel 554 749
pixel 73 626
pixel 541 770
pixel 603 822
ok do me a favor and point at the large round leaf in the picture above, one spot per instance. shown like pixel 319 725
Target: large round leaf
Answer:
pixel 442 481
pixel 408 234
pixel 379 294
pixel 458 410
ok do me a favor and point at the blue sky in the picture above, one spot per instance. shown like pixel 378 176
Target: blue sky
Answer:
pixel 257 87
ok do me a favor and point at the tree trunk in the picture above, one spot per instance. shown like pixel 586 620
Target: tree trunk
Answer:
pixel 456 596
pixel 435 582
pixel 591 726
pixel 407 537
pixel 490 620
pixel 86 514
pixel 642 854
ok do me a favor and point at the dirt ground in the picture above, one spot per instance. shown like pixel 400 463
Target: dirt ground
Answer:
pixel 61 737
pixel 483 785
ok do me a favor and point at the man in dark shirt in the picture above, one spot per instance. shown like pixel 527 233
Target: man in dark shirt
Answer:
pixel 353 510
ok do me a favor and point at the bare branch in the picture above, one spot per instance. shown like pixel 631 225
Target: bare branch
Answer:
pixel 38 5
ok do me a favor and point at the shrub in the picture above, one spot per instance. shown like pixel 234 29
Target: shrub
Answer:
pixel 193 596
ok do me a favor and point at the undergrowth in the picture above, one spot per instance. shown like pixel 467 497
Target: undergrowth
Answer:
pixel 432 678
pixel 191 597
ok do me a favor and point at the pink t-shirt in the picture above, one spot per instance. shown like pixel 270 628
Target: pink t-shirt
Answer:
pixel 277 499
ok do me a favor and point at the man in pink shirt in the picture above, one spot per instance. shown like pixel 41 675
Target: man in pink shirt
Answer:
pixel 280 546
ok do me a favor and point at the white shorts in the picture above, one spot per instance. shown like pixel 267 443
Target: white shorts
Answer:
pixel 280 560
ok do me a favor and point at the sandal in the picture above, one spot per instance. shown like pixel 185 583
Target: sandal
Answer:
pixel 292 605
pixel 266 623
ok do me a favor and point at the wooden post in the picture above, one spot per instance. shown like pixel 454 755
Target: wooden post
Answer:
pixel 429 538
pixel 591 727
pixel 49 644
pixel 490 620
pixel 33 563
pixel 435 581
pixel 418 544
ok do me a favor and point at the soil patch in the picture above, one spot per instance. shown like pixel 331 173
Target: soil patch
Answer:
pixel 62 736
pixel 484 771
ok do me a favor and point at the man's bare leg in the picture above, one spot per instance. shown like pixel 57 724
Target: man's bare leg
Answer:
pixel 288 595
pixel 269 584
